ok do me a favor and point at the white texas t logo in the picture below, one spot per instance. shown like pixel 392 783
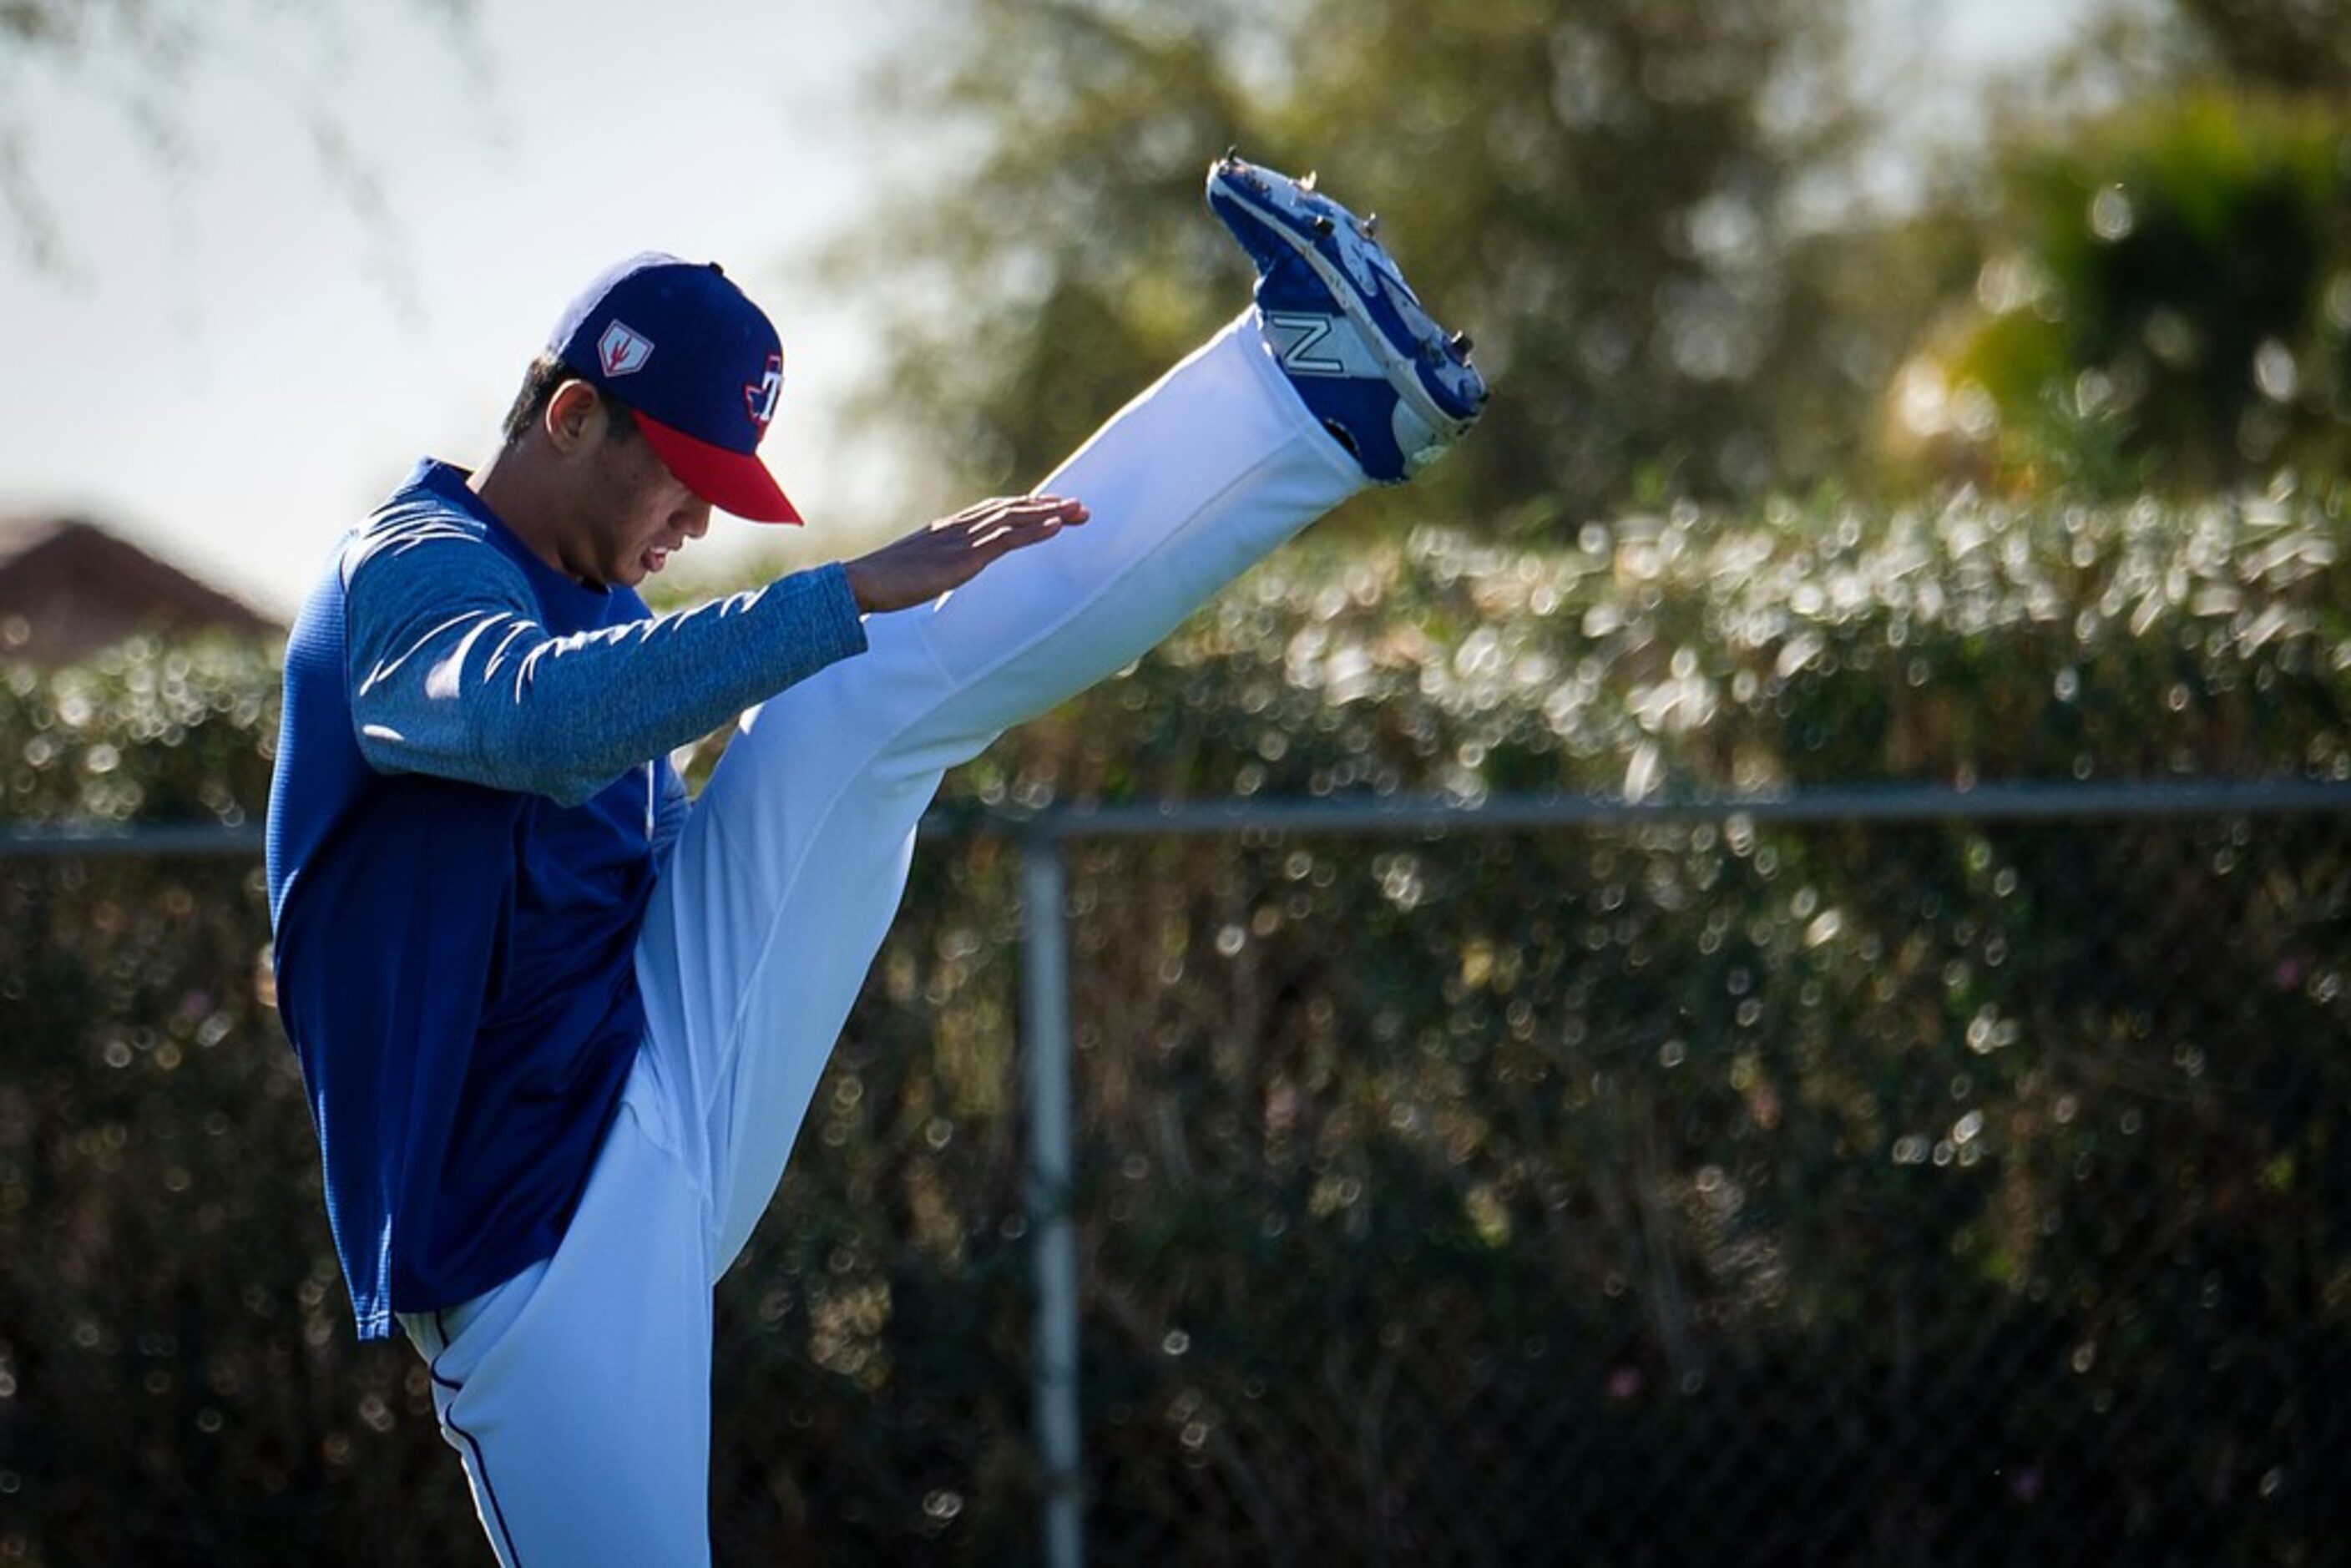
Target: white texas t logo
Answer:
pixel 759 397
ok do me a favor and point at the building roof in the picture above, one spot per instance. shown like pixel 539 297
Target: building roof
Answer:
pixel 69 588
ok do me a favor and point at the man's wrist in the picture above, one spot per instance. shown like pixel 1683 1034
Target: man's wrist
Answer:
pixel 859 578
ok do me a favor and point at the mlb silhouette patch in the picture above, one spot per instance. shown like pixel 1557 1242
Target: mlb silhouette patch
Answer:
pixel 623 349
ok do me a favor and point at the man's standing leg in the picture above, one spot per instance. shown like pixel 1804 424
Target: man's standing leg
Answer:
pixel 578 1393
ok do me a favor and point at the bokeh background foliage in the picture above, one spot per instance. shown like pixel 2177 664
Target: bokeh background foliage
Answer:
pixel 2170 302
pixel 1673 230
pixel 1688 1189
pixel 1607 191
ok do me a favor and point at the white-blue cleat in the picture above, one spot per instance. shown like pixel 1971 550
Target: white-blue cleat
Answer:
pixel 1367 360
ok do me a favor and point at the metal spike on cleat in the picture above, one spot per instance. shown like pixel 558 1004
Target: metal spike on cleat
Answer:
pixel 1461 344
pixel 1307 184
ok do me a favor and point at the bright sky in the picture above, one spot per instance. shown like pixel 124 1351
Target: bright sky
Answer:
pixel 237 362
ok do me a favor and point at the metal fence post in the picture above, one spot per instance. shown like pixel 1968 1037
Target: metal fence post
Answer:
pixel 1045 1014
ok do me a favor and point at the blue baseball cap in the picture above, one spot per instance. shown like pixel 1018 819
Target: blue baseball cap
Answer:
pixel 699 363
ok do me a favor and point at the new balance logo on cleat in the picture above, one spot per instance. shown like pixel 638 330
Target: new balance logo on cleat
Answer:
pixel 1295 339
pixel 1318 345
pixel 1393 387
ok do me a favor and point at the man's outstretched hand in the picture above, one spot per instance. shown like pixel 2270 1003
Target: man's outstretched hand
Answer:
pixel 951 551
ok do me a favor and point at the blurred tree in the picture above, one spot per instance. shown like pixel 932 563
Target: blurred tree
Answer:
pixel 1622 199
pixel 2152 263
pixel 2300 46
pixel 2164 296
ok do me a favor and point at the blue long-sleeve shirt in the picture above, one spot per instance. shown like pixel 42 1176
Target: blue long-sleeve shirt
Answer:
pixel 469 806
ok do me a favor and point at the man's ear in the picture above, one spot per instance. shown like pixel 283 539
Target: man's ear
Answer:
pixel 575 416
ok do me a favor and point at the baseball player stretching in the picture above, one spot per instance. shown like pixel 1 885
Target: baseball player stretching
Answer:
pixel 559 1028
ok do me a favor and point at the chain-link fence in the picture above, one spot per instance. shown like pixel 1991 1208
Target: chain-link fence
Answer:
pixel 1963 1184
pixel 1882 1178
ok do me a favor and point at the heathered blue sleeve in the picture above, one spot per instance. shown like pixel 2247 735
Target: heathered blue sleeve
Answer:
pixel 452 674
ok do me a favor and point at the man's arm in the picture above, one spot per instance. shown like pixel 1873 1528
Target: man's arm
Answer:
pixel 453 675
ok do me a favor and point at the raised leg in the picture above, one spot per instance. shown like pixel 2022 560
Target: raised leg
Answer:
pixel 793 863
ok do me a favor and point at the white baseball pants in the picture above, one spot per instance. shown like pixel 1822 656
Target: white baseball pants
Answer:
pixel 579 1392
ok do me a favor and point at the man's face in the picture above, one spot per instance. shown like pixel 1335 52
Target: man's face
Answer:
pixel 633 514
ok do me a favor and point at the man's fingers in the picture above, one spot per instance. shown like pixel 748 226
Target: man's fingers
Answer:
pixel 1051 515
pixel 982 517
pixel 979 511
pixel 1009 533
pixel 1061 508
pixel 952 550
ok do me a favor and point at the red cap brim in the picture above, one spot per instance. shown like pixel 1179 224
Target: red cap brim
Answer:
pixel 734 482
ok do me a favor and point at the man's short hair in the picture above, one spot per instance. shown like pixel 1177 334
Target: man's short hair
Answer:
pixel 547 374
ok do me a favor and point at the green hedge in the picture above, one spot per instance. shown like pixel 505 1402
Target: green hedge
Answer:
pixel 1654 1193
